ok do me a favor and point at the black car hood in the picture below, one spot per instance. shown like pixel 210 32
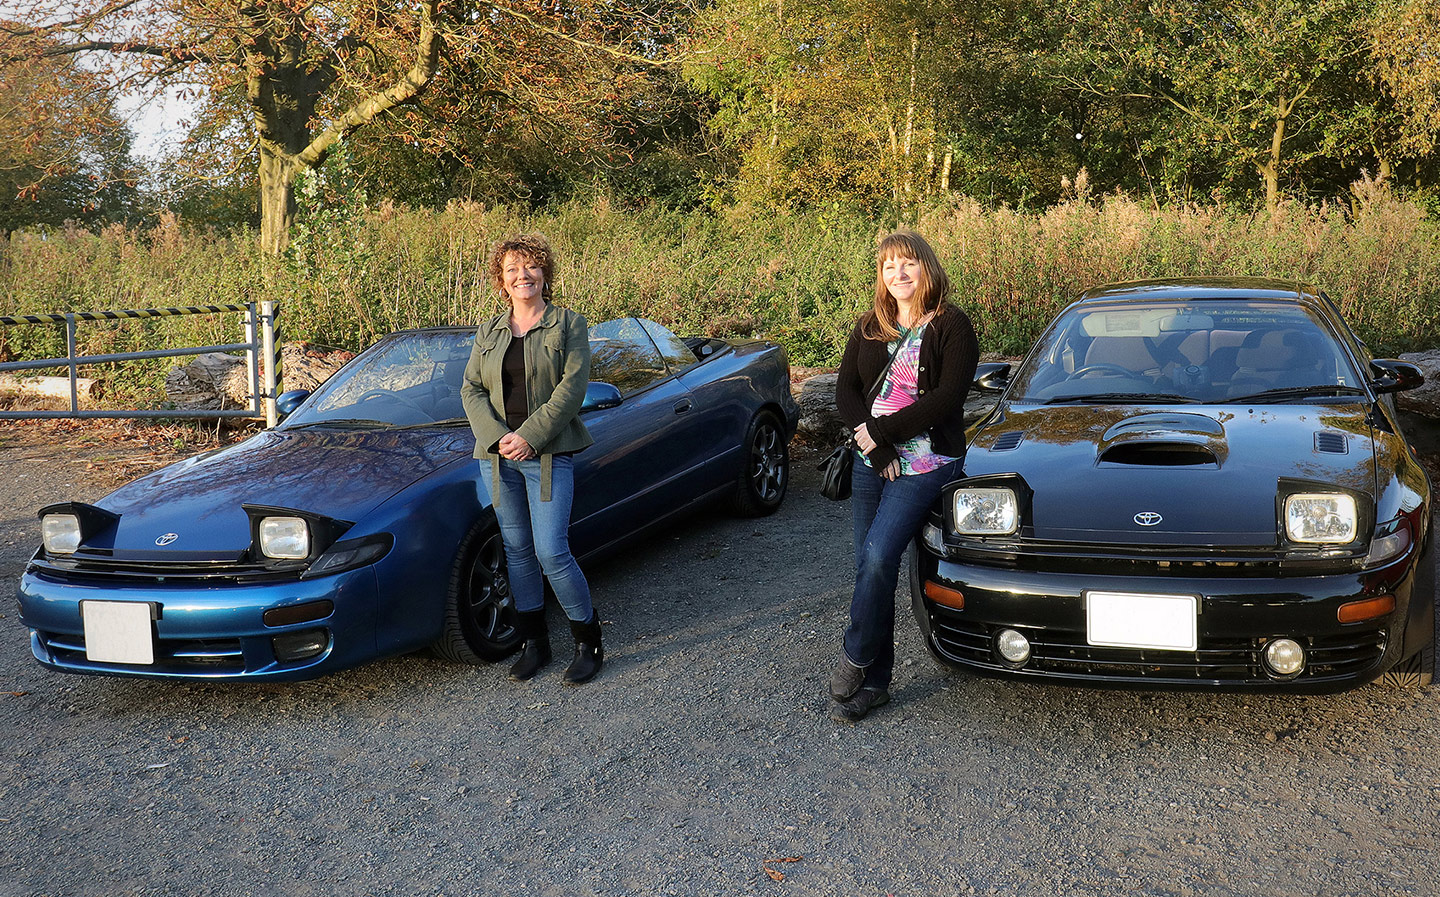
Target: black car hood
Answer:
pixel 336 473
pixel 1210 474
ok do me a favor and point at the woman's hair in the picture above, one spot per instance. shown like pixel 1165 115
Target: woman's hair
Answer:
pixel 931 292
pixel 531 247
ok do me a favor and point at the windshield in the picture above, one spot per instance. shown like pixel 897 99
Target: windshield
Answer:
pixel 1202 351
pixel 406 379
pixel 413 379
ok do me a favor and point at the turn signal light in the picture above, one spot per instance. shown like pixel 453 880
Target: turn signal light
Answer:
pixel 1369 609
pixel 943 595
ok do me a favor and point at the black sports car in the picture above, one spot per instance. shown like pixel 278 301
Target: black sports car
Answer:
pixel 1187 484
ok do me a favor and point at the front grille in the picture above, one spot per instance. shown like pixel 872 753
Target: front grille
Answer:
pixel 1237 661
pixel 148 571
pixel 171 655
pixel 1136 560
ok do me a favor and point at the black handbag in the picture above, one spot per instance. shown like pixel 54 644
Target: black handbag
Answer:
pixel 835 470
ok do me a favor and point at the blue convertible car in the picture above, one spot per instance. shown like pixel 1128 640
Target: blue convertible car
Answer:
pixel 358 528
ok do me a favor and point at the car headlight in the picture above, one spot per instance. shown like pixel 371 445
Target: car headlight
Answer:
pixel 985 511
pixel 285 538
pixel 60 533
pixel 1389 542
pixel 1320 517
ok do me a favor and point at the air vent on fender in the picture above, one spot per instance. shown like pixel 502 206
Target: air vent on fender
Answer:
pixel 1160 454
pixel 1008 441
pixel 1332 443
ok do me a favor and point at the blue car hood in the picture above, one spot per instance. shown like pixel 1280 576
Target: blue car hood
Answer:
pixel 336 473
pixel 1211 473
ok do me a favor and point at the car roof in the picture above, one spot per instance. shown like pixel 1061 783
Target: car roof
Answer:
pixel 1186 288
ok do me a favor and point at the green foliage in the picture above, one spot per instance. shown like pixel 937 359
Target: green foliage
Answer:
pixel 799 278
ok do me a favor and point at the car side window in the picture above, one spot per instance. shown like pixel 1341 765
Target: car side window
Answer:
pixel 672 348
pixel 622 354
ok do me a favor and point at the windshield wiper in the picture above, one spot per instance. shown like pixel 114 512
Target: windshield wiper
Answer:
pixel 349 423
pixel 1298 392
pixel 1124 398
pixel 447 422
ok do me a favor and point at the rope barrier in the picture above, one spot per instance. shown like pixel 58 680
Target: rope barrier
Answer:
pixel 128 314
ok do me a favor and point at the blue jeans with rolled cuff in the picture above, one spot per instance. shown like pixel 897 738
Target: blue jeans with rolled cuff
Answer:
pixel 887 515
pixel 537 535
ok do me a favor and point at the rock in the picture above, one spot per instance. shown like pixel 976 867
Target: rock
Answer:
pixel 1426 399
pixel 820 424
pixel 216 381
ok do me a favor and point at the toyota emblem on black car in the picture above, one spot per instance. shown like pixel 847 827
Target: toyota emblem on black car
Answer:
pixel 1148 518
pixel 167 539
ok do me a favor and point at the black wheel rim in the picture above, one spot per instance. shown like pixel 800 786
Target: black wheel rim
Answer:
pixel 489 605
pixel 767 463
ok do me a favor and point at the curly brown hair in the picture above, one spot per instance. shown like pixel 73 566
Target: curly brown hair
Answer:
pixel 532 247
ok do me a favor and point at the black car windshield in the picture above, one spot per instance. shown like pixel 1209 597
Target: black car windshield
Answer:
pixel 1210 351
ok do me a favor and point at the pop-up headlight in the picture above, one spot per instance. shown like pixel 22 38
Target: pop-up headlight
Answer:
pixel 1321 518
pixel 985 511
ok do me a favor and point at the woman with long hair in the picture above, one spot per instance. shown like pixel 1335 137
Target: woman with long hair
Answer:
pixel 901 388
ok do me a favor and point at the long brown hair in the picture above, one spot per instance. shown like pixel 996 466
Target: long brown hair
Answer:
pixel 931 292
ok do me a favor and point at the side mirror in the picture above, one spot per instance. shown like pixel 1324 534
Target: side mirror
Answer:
pixel 288 401
pixel 992 376
pixel 1394 376
pixel 599 395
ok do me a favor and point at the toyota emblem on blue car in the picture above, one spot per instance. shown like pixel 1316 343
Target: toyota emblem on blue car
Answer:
pixel 167 539
pixel 1148 518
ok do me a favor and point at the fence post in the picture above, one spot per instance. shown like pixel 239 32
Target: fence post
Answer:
pixel 271 348
pixel 74 368
pixel 252 356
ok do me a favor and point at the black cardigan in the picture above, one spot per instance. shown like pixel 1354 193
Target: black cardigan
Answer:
pixel 949 353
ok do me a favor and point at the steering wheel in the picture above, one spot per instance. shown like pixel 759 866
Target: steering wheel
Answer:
pixel 395 397
pixel 1103 367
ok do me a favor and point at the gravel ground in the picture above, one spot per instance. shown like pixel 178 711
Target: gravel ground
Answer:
pixel 701 762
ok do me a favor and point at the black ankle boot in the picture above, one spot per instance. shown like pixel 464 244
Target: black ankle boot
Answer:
pixel 535 652
pixel 589 656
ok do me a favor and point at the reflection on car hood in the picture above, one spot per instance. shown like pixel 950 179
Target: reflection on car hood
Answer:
pixel 1209 473
pixel 340 474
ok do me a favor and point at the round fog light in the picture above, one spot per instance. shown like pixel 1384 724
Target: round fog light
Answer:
pixel 1284 656
pixel 1012 646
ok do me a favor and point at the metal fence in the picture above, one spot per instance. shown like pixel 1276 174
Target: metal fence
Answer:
pixel 262 342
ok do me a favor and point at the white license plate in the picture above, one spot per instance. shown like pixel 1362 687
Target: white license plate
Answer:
pixel 1128 620
pixel 118 632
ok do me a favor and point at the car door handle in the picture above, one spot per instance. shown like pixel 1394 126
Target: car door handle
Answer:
pixel 682 406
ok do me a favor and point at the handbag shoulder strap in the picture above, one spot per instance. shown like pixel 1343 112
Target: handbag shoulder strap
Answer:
pixel 875 387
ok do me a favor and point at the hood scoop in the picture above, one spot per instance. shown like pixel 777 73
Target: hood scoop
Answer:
pixel 1164 439
pixel 1331 443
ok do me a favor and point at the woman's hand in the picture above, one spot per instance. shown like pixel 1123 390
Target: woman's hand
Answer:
pixel 892 470
pixel 864 440
pixel 514 448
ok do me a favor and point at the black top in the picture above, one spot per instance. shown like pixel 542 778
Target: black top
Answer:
pixel 949 353
pixel 512 381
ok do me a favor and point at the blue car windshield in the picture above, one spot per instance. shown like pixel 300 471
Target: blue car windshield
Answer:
pixel 404 380
pixel 1207 351
pixel 413 379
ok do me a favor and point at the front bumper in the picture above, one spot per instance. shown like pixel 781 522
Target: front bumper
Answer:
pixel 1237 617
pixel 210 633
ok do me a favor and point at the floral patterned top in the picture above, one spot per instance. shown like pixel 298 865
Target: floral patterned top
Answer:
pixel 899 390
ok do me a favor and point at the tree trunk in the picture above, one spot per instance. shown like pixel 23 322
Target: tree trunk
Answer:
pixel 277 200
pixel 1270 168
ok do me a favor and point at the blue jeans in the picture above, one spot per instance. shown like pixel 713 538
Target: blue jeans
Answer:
pixel 887 514
pixel 537 535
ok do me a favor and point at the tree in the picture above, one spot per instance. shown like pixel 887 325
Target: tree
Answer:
pixel 63 152
pixel 313 71
pixel 1405 41
pixel 1256 83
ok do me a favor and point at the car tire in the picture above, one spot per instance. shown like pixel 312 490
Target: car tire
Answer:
pixel 479 610
pixel 765 472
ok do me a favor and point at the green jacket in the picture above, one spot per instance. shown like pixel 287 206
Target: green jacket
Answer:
pixel 557 370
